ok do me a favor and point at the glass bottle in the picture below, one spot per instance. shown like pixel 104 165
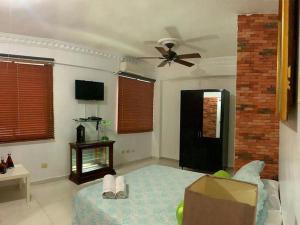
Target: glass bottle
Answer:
pixel 2 166
pixel 9 162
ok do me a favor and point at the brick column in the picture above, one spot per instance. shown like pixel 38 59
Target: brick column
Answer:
pixel 257 126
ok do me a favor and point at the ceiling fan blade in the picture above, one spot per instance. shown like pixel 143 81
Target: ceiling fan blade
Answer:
pixel 193 47
pixel 202 38
pixel 182 62
pixel 162 50
pixel 151 43
pixel 163 63
pixel 173 32
pixel 150 57
pixel 189 56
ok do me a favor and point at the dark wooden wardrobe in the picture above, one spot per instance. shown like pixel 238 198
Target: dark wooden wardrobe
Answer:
pixel 204 123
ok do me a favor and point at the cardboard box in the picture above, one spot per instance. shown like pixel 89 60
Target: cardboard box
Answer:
pixel 218 201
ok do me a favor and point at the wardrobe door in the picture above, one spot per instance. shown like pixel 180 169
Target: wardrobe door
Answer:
pixel 210 150
pixel 190 128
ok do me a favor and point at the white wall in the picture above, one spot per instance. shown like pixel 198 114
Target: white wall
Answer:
pixel 289 165
pixel 289 170
pixel 170 111
pixel 56 152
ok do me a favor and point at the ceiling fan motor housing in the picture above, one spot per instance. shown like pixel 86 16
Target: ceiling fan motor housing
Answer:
pixel 170 45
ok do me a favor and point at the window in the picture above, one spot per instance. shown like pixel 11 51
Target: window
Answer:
pixel 135 106
pixel 26 102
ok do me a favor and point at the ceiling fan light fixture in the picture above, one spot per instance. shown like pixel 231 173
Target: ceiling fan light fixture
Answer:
pixel 168 41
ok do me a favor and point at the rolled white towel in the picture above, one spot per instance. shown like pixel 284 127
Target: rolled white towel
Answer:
pixel 121 189
pixel 109 187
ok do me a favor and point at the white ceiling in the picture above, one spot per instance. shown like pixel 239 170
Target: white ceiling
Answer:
pixel 122 26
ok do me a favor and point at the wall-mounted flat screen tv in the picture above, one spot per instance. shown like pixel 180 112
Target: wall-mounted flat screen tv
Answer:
pixel 89 90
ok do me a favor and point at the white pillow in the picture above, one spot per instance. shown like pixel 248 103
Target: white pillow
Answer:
pixel 272 188
pixel 274 217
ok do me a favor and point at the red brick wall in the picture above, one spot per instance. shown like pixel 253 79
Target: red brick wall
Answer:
pixel 257 126
pixel 210 105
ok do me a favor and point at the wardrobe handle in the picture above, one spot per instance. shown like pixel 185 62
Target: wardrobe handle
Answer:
pixel 198 134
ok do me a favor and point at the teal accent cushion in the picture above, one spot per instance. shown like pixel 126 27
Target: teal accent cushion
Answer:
pixel 251 173
pixel 254 167
pixel 263 215
pixel 222 174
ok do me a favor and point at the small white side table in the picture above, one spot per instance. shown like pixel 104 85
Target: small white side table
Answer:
pixel 18 172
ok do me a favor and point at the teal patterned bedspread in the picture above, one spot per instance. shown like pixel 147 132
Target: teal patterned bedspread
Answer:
pixel 154 193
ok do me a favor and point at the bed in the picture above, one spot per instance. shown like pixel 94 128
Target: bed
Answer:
pixel 154 193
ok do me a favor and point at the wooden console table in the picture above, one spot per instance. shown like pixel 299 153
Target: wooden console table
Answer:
pixel 91 160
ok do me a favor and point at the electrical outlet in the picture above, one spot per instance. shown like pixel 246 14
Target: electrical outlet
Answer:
pixel 44 165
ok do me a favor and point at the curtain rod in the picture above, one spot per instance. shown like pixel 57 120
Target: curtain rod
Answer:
pixel 134 76
pixel 42 60
pixel 51 61
pixel 22 58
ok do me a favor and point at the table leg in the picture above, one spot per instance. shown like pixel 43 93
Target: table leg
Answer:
pixel 28 189
pixel 21 181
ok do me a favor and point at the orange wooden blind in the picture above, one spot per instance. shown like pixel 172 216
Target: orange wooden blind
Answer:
pixel 135 106
pixel 26 102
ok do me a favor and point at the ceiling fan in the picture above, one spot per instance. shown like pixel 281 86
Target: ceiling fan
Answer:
pixel 170 56
pixel 191 43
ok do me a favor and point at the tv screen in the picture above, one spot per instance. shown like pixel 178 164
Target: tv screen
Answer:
pixel 89 90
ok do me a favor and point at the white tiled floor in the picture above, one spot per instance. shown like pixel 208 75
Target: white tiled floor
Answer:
pixel 51 203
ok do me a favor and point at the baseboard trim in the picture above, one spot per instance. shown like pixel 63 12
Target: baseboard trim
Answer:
pixel 51 179
pixel 119 166
pixel 132 162
pixel 176 160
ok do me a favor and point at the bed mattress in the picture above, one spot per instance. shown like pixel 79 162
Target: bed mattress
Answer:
pixel 154 193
